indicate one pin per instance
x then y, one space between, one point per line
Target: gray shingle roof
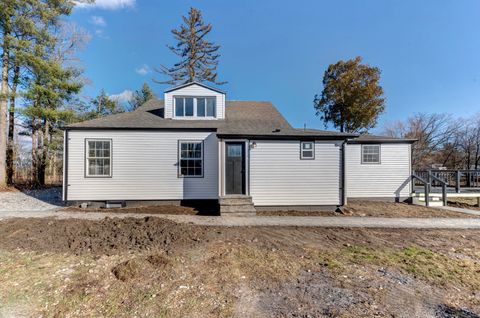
367 138
243 118
194 83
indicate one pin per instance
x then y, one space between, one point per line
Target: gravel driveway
31 200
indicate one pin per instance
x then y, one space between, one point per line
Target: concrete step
237 205
247 208
432 195
431 199
235 200
432 203
240 214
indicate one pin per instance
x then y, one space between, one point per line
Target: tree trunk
42 165
11 126
34 153
3 99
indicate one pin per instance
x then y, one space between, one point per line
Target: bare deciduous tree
432 131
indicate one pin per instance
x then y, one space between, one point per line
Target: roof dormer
194 100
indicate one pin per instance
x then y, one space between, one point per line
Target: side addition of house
196 145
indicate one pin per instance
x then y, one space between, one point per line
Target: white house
196 145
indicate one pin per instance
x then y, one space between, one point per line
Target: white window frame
180 142
302 156
379 161
88 158
195 106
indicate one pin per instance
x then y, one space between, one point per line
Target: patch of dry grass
220 278
420 262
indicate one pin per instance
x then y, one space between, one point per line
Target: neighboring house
195 145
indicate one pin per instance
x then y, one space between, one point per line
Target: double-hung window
307 150
195 107
190 158
370 154
98 158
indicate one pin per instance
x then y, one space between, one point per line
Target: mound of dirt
137 267
130 269
98 237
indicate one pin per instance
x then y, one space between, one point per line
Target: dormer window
195 107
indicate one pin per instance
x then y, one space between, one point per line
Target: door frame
222 166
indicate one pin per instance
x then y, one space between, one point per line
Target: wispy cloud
122 97
143 70
98 21
107 4
101 34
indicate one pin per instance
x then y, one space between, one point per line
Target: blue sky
428 51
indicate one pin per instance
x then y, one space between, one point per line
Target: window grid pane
191 161
371 153
98 158
195 106
307 150
201 107
211 107
188 106
179 107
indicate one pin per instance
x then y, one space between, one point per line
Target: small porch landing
237 205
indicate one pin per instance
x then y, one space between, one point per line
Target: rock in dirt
346 210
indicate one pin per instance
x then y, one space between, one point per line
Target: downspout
65 165
343 187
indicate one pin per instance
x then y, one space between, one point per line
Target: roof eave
141 128
282 137
382 141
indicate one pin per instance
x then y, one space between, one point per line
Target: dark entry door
235 168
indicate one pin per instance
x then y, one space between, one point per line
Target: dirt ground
354 208
154 267
390 209
465 203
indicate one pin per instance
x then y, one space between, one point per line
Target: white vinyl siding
388 179
195 91
279 177
145 167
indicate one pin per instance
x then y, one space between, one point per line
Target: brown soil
102 237
8 189
376 209
157 209
155 267
354 208
464 203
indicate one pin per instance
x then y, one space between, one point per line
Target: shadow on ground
50 195
444 311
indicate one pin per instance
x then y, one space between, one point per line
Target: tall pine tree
141 96
198 56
